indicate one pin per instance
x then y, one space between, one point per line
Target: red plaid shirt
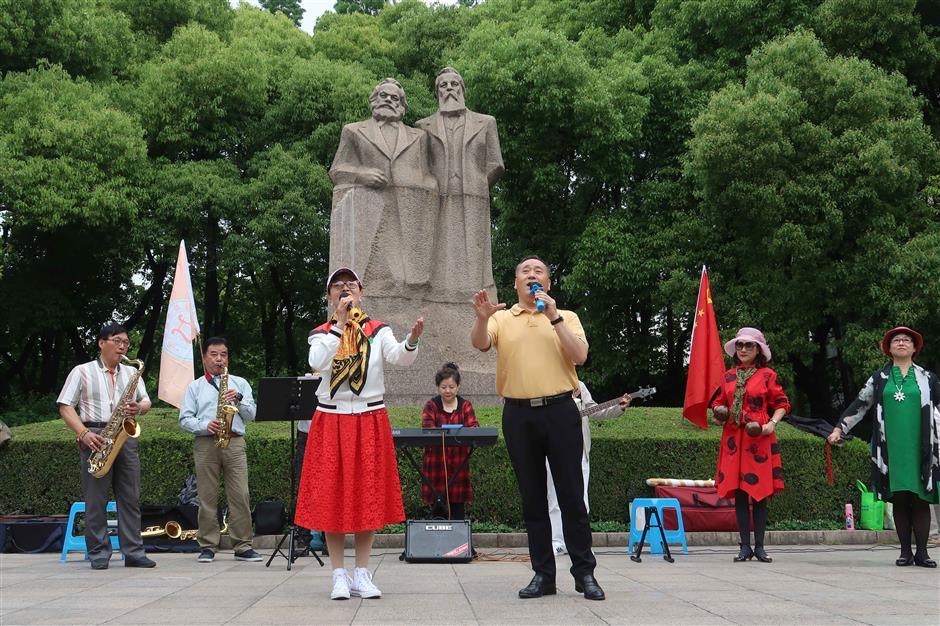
434 417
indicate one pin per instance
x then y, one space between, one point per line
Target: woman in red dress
445 409
350 478
750 402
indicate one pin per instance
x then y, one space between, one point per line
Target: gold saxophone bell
173 530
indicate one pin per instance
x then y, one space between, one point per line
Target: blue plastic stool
673 537
75 543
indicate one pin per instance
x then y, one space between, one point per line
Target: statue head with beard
450 91
388 101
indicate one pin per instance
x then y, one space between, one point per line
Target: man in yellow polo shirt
536 354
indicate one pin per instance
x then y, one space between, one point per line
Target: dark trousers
303 533
124 481
552 432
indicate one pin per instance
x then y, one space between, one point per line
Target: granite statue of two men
411 206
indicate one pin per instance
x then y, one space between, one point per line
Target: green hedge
40 466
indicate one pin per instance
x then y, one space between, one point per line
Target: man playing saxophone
216 395
94 394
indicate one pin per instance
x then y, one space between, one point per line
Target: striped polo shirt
88 388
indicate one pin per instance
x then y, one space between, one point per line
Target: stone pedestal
446 338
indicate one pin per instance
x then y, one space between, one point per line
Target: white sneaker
340 585
559 550
362 584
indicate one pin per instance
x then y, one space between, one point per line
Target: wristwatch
557 320
239 396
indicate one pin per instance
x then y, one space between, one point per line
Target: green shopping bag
873 511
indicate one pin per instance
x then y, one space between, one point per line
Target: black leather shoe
925 562
539 586
761 555
744 554
589 587
904 561
141 562
99 564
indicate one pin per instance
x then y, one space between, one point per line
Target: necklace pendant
899 395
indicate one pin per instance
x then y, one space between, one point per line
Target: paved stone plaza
804 585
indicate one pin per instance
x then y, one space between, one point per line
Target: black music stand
279 400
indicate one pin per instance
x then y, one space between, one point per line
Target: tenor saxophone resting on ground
174 530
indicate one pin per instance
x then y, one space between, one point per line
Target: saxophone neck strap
211 380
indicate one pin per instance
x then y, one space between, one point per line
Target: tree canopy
792 147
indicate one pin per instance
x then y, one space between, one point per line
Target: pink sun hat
749 334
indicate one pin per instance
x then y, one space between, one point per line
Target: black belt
537 402
94 424
324 405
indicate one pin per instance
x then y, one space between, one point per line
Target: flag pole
698 298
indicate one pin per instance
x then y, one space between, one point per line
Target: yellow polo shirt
530 362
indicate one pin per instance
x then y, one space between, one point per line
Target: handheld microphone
539 303
343 294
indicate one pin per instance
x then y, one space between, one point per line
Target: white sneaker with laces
560 550
340 585
362 584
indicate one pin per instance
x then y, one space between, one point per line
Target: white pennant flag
182 328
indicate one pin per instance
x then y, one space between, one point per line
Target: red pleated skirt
350 478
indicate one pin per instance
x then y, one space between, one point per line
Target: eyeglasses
348 284
745 345
901 340
120 342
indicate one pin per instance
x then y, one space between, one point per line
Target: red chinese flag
706 363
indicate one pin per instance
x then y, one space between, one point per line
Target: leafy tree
291 8
155 20
566 131
786 145
901 36
83 36
355 37
426 38
366 7
70 163
810 177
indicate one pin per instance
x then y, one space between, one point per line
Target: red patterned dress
434 468
751 464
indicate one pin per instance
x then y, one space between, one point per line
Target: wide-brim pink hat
902 330
749 334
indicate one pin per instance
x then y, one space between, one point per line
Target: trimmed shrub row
40 467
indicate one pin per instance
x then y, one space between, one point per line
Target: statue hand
373 177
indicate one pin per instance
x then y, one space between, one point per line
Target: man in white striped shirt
95 389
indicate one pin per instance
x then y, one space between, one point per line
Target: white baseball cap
342 270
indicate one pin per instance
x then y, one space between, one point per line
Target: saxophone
224 414
118 428
174 530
